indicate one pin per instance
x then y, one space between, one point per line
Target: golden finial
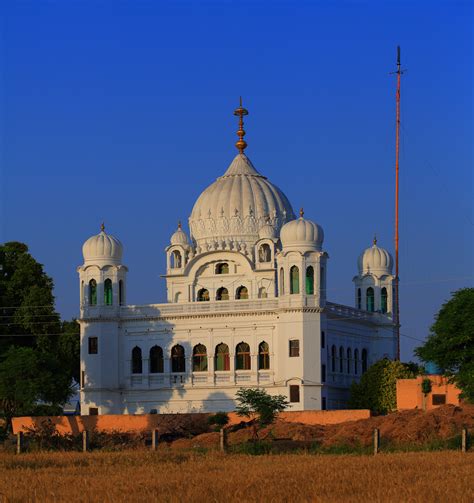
179 225
301 212
241 144
102 227
375 239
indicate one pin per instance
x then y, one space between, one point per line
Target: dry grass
180 477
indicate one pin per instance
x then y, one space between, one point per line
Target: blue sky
122 112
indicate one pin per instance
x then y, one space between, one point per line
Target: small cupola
302 235
102 249
375 260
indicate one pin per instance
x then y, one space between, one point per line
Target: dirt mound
413 427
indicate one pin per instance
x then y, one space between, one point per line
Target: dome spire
375 240
241 144
102 227
301 212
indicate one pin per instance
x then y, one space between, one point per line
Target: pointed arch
176 260
92 292
282 281
242 356
349 361
200 358
137 367
356 361
309 280
263 356
242 293
222 293
120 292
370 299
156 360
384 300
364 361
294 280
333 358
108 297
341 359
222 357
359 298
264 253
203 295
178 361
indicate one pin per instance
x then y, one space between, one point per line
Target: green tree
450 344
377 389
259 406
39 354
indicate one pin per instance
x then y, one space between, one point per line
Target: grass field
180 477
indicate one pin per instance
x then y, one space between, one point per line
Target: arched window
282 281
108 292
176 261
349 361
156 360
242 293
364 361
356 361
136 360
294 280
203 295
120 292
370 299
309 280
333 358
93 292
178 362
341 359
222 268
200 358
242 356
384 300
222 293
262 293
263 356
222 357
177 296
264 253
359 298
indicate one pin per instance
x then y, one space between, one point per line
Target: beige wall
410 395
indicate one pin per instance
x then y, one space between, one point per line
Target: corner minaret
374 285
102 291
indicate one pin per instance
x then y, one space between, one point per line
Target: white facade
250 278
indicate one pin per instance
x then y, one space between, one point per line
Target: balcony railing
197 379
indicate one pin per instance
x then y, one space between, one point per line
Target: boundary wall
410 394
75 425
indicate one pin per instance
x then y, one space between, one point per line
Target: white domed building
246 307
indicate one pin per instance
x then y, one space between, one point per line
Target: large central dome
231 211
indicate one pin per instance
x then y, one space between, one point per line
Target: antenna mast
397 151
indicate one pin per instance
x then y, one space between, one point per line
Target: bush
377 389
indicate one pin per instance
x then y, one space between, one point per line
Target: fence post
223 440
154 439
19 442
376 441
85 441
464 440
